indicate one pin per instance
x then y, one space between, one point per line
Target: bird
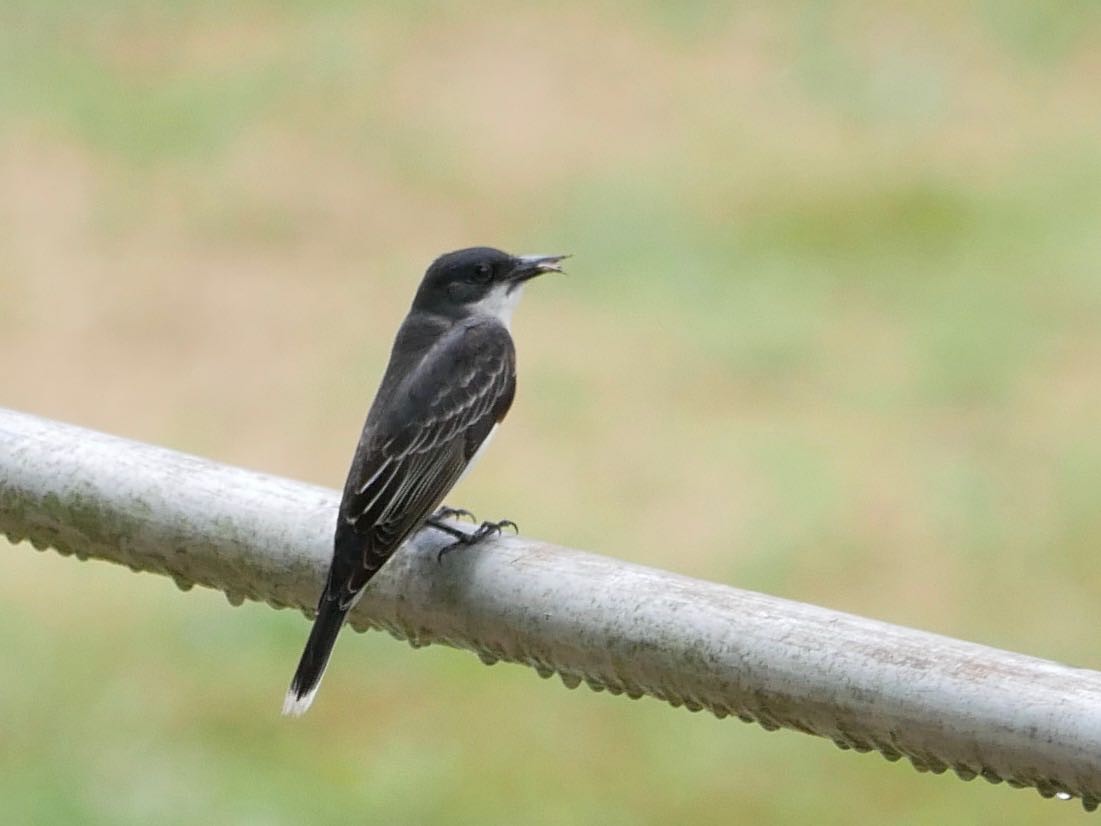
449 383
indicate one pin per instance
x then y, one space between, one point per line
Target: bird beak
529 266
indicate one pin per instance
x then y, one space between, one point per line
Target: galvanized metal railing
866 685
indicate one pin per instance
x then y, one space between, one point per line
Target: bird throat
500 303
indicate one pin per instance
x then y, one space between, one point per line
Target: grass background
840 262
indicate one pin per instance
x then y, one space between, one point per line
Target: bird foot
454 513
485 530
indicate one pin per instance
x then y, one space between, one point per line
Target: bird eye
482 273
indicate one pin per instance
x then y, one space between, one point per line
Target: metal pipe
866 685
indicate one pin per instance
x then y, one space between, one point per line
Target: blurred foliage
830 332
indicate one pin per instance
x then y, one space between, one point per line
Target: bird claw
485 530
454 513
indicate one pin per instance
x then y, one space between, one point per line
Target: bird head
480 280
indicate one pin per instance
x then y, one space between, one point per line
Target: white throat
500 303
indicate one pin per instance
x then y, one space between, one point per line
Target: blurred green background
833 313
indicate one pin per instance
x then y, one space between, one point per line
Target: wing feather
414 453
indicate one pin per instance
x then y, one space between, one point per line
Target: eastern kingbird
449 383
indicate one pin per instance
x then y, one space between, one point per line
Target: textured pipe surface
866 685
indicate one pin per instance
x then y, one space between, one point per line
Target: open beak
529 266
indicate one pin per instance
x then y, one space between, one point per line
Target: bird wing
411 457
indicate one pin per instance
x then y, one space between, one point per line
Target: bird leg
486 529
450 530
436 521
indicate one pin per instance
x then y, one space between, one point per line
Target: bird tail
307 678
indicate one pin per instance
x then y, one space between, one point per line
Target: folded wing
411 458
